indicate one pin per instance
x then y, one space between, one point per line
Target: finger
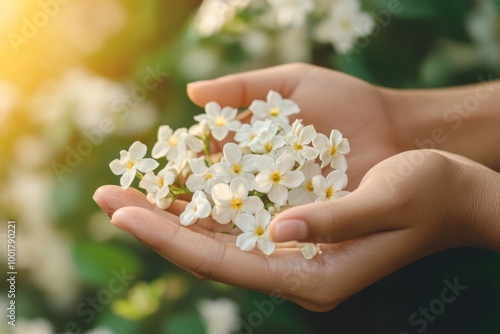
238 90
208 258
366 210
111 198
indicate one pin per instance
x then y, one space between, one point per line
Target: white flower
220 316
203 177
254 232
329 188
275 108
170 144
275 177
157 186
344 25
267 141
220 121
333 150
290 12
199 207
132 161
299 143
248 134
235 164
304 193
232 200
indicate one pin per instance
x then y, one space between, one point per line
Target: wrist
462 120
479 207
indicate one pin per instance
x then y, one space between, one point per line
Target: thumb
239 90
362 212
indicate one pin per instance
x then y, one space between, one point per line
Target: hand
328 100
408 206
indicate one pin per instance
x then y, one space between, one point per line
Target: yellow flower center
333 150
130 164
173 141
309 187
160 182
208 176
220 121
274 112
237 169
237 203
329 193
298 146
276 177
259 231
269 148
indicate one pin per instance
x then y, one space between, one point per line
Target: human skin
414 203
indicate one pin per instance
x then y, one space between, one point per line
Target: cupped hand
328 100
408 206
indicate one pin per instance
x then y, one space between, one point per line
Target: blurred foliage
68 252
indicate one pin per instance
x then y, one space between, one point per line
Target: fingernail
103 205
118 221
287 230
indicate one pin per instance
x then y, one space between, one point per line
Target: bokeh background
82 79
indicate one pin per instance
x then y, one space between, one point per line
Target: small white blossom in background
33 326
220 316
271 166
296 25
345 24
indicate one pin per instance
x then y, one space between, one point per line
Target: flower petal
263 182
278 194
222 214
239 187
188 217
252 204
266 246
137 150
246 241
309 153
232 153
221 194
219 132
146 165
245 222
117 167
127 178
292 179
212 109
229 113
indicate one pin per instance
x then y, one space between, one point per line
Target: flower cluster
271 165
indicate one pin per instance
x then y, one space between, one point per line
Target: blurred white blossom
290 12
345 24
33 326
88 24
220 316
482 25
8 99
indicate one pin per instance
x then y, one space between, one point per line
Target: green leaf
98 263
184 323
